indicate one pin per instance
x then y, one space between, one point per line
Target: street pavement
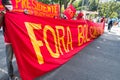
100 60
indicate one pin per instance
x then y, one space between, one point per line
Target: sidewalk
100 60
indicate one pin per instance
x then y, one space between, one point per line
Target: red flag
70 11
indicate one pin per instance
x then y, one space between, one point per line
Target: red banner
36 8
43 44
1 6
70 11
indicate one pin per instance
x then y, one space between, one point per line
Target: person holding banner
7 4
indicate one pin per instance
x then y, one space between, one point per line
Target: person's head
7 4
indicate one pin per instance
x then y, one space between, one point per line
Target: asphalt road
100 60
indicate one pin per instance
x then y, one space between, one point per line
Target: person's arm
1 18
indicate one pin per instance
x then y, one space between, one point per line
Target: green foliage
93 5
109 9
45 1
65 3
77 4
114 15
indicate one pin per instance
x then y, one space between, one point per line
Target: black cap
6 2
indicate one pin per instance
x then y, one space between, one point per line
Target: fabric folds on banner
43 44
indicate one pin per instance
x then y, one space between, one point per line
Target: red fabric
6 38
103 19
1 6
33 7
70 11
80 16
56 40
